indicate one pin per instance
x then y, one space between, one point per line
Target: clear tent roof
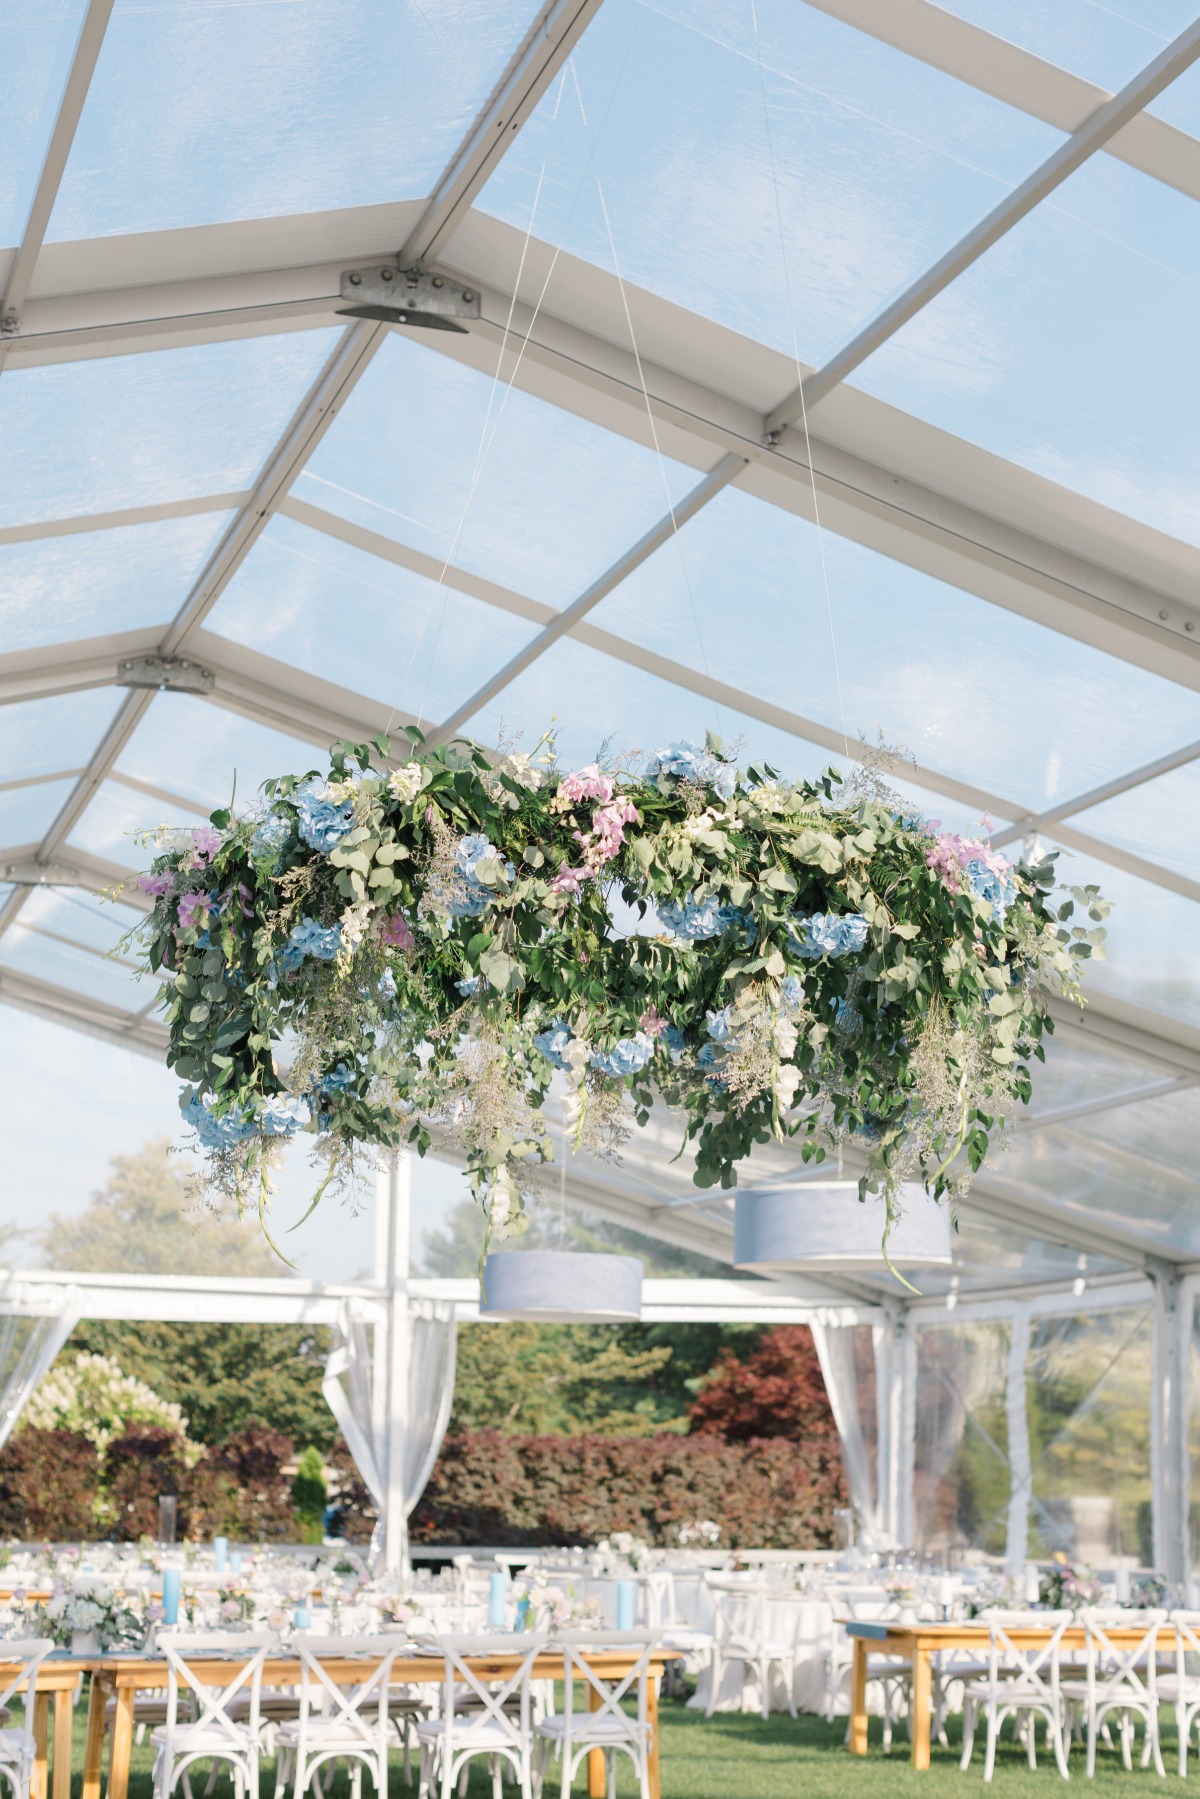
976 537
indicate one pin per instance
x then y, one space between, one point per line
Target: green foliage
144 1221
415 932
309 1495
563 1379
226 1377
489 1488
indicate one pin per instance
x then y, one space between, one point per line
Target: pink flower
652 1022
206 841
393 929
569 880
586 784
193 910
159 885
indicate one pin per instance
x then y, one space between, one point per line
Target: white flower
404 784
787 1079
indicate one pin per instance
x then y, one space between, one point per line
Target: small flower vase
86 1642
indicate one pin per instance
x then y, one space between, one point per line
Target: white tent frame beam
1021 80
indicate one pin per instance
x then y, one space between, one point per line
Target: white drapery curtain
854 1401
29 1343
354 1396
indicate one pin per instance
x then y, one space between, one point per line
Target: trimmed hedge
491 1488
48 1485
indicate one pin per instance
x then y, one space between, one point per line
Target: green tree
453 1249
554 1379
309 1494
143 1221
225 1377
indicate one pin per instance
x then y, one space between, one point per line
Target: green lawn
733 1756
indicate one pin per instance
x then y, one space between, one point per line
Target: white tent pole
904 1432
395 1522
1020 1471
1168 1434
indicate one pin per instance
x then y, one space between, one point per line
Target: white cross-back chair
607 1725
17 1747
754 1635
1120 1678
663 1617
1022 1681
207 1674
1182 1688
338 1721
481 1715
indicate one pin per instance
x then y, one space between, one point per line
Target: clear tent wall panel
654 152
254 110
90 437
92 584
961 1477
337 611
469 470
1068 347
1087 1384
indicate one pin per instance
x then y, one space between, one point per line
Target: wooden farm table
919 1643
57 1678
122 1677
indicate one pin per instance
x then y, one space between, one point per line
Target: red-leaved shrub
48 1483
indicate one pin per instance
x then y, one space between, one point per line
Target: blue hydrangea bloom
308 938
697 920
216 1132
828 934
271 836
553 1044
628 1056
672 1038
791 994
471 984
996 890
720 1025
387 985
337 1080
323 822
283 1115
688 762
473 850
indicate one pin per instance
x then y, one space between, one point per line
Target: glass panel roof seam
55 774
1090 137
1023 80
1036 1121
1095 796
94 1017
82 524
1138 866
83 67
87 949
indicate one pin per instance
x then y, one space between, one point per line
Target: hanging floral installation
386 954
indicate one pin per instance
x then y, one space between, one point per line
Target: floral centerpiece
390 952
543 1605
90 1616
1068 1586
620 1550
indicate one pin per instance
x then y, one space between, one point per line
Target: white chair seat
320 1736
192 1739
1170 1689
602 1731
469 1727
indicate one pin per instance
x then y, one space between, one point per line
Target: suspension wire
787 282
662 465
486 441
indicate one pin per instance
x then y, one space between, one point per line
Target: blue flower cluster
627 1056
216 1132
687 762
720 1024
323 822
473 850
336 1081
697 920
791 994
997 890
283 1115
828 934
553 1044
469 985
271 837
308 938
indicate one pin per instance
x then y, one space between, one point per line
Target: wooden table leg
41 1743
63 1720
858 1698
595 1761
122 1744
93 1750
922 1694
652 1719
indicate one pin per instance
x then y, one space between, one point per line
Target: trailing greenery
386 954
